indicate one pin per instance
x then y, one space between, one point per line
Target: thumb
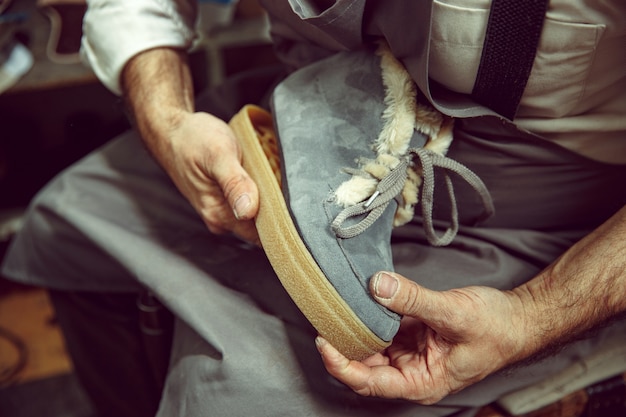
405 297
238 187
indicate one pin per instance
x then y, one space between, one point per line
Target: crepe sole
296 268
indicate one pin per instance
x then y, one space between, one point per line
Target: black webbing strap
509 50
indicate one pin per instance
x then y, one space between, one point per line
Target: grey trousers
114 224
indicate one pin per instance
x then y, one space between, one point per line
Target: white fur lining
402 115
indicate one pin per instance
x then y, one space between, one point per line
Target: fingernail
242 204
385 285
320 342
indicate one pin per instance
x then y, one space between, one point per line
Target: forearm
158 89
583 289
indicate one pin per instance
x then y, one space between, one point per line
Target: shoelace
392 184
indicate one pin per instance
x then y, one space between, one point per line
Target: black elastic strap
509 50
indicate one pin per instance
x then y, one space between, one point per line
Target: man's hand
205 165
204 161
197 150
451 339
447 341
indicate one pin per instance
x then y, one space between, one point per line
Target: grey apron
115 223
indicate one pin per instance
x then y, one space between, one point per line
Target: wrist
531 321
581 290
157 82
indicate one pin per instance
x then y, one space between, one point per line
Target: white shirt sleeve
114 31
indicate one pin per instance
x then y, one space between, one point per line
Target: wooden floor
31 344
36 375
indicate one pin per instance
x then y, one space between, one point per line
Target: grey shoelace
391 186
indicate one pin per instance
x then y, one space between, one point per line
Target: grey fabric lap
114 222
246 351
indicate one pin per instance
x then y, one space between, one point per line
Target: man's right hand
205 165
198 151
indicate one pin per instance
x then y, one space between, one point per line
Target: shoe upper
327 118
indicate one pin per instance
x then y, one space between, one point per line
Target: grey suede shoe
354 146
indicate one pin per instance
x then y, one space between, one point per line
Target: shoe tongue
418 140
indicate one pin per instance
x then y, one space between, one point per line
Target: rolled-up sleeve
116 30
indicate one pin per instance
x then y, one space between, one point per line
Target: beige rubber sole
297 270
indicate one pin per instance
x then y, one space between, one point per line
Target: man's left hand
447 341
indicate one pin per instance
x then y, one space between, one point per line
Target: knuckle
232 185
411 299
215 221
